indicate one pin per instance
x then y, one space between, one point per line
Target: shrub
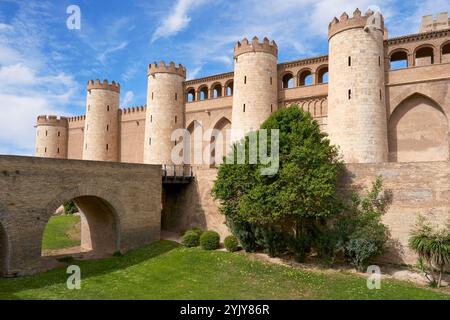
231 243
433 247
210 240
244 232
191 239
359 251
70 208
117 254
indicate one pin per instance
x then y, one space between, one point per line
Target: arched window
288 81
424 56
305 78
399 60
217 91
229 88
445 52
203 93
190 95
322 75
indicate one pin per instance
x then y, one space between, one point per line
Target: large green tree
301 192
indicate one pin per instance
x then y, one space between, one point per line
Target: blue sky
44 66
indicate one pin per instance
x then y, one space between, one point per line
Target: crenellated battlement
52 121
345 22
163 68
245 46
105 85
77 118
132 110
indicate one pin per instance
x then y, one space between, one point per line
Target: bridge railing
177 173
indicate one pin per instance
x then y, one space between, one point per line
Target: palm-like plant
432 246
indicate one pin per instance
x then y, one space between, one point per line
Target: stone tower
165 111
255 85
51 137
101 129
356 94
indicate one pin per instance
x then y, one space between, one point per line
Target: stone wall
418 188
127 197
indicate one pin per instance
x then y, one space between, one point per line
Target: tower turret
51 137
101 129
165 111
356 94
255 85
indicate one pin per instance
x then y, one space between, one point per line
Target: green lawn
61 232
166 270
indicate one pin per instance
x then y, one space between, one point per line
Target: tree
301 193
433 247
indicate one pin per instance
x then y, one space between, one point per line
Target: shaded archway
216 91
195 144
305 78
220 140
287 81
424 56
322 74
418 131
98 228
445 53
229 88
190 95
203 93
398 59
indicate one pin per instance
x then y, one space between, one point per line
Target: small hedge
210 240
191 238
231 243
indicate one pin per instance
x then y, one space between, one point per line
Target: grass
61 232
166 270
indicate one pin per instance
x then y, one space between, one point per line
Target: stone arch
424 55
101 217
445 52
322 74
190 94
398 59
305 77
418 131
203 92
216 90
222 127
229 87
287 80
195 143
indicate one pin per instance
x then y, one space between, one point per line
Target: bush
432 244
210 240
191 238
359 251
231 243
70 208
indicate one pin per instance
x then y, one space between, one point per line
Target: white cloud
177 20
193 73
102 57
129 96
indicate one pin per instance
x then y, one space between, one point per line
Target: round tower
51 137
255 85
101 129
356 88
165 111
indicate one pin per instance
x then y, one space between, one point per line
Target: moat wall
418 188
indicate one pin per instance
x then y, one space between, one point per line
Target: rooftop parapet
161 67
430 24
97 84
52 121
245 46
357 21
135 109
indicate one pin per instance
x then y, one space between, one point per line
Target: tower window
45 149
107 127
59 134
107 108
149 141
89 107
46 133
245 79
175 142
58 150
349 61
349 94
244 107
379 61
176 96
271 108
381 96
152 95
271 81
107 147
176 118
151 118
85 147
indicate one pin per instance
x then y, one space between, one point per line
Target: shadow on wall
3 250
181 208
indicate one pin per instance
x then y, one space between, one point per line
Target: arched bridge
120 205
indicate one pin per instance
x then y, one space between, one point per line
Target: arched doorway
94 234
195 143
220 140
418 131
